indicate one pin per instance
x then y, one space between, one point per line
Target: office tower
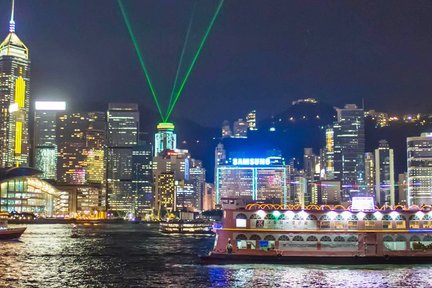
14 99
300 191
370 173
330 192
197 176
419 156
240 128
209 198
142 182
226 129
123 127
402 189
262 179
384 174
349 146
251 120
185 195
165 138
309 159
169 166
44 139
81 144
329 154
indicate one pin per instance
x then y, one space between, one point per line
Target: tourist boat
358 234
186 227
7 233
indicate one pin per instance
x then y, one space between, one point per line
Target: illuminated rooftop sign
50 105
251 161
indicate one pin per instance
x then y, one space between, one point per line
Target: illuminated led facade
44 137
262 179
384 174
14 99
329 153
197 176
123 128
166 197
419 172
165 138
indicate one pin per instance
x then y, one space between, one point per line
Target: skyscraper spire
12 22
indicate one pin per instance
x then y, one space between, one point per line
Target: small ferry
186 227
7 233
359 234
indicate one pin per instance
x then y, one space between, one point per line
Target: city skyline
307 58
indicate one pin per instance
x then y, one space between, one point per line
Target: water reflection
123 255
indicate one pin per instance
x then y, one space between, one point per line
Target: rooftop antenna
12 22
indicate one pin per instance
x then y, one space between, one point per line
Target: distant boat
186 227
7 233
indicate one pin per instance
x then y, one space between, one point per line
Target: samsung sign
251 161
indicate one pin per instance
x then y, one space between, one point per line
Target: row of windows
298 238
325 217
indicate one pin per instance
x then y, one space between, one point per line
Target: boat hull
11 233
222 259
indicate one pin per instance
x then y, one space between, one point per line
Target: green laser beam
141 60
181 58
194 59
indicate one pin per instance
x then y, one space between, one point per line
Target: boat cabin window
352 224
324 224
339 224
400 225
427 224
369 224
387 224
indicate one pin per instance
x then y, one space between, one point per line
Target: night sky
260 54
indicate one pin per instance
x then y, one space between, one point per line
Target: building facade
419 173
45 137
384 174
14 100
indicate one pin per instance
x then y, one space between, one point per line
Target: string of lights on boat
298 207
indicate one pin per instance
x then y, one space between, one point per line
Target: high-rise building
262 179
169 166
369 162
185 195
384 174
349 149
209 198
419 150
81 140
226 129
251 120
142 182
123 128
330 192
165 138
240 128
14 99
197 176
329 154
45 140
402 189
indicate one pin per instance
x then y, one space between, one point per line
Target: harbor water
138 255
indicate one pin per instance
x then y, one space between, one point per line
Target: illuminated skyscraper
142 182
349 149
370 173
419 169
226 129
14 99
251 120
262 179
45 145
384 174
240 128
197 176
123 127
165 138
